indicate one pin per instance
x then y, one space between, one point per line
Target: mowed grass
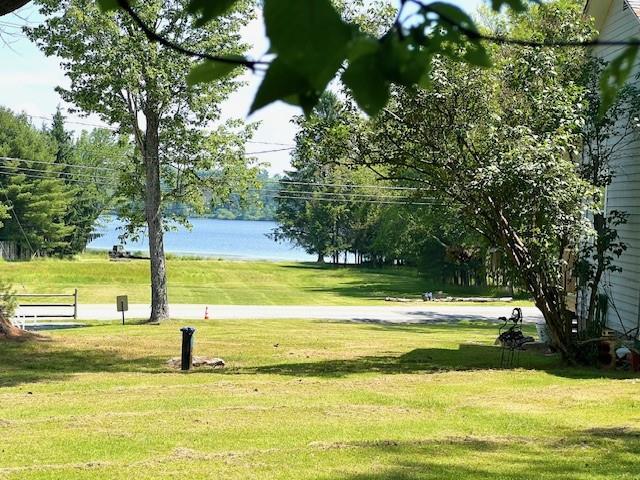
308 400
218 282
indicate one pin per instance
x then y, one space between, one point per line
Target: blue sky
28 80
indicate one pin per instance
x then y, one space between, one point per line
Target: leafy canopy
312 43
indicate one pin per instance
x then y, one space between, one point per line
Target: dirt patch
198 362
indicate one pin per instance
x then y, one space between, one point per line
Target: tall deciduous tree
140 86
315 224
502 144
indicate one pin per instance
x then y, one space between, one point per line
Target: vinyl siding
624 192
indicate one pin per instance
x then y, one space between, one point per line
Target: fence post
75 304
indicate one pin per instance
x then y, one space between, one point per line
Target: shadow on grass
54 360
579 454
467 357
46 360
377 283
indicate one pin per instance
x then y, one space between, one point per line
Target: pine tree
83 165
30 188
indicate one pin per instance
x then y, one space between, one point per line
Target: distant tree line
258 203
343 212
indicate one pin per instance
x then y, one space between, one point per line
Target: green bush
8 302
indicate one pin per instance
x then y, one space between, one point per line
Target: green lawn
330 401
218 282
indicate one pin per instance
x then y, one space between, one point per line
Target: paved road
414 313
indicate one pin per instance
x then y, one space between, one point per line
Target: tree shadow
46 360
466 357
383 282
578 454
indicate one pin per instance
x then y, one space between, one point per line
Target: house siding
623 194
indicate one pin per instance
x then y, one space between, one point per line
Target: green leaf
209 71
615 76
362 45
367 83
453 15
402 61
281 82
209 9
309 36
515 5
476 54
108 5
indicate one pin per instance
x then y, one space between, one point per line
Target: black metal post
187 347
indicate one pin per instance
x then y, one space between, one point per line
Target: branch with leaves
313 44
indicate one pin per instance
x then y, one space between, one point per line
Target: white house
620 20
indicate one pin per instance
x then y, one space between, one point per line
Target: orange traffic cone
206 313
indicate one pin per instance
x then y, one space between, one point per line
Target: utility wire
305 197
302 197
338 185
89 179
115 129
65 175
298 194
376 202
271 143
44 177
91 167
331 194
75 122
282 182
270 151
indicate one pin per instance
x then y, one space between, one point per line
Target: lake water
238 239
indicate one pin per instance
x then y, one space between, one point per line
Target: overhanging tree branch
154 36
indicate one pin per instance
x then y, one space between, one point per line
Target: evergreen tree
62 138
30 188
85 166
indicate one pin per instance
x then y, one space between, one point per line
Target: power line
307 194
10 24
302 197
382 202
66 175
330 194
270 151
91 167
90 180
44 177
115 129
265 182
338 185
271 143
75 122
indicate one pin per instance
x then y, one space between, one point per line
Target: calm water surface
209 237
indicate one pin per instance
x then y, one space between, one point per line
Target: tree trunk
320 258
153 214
8 329
599 223
547 297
